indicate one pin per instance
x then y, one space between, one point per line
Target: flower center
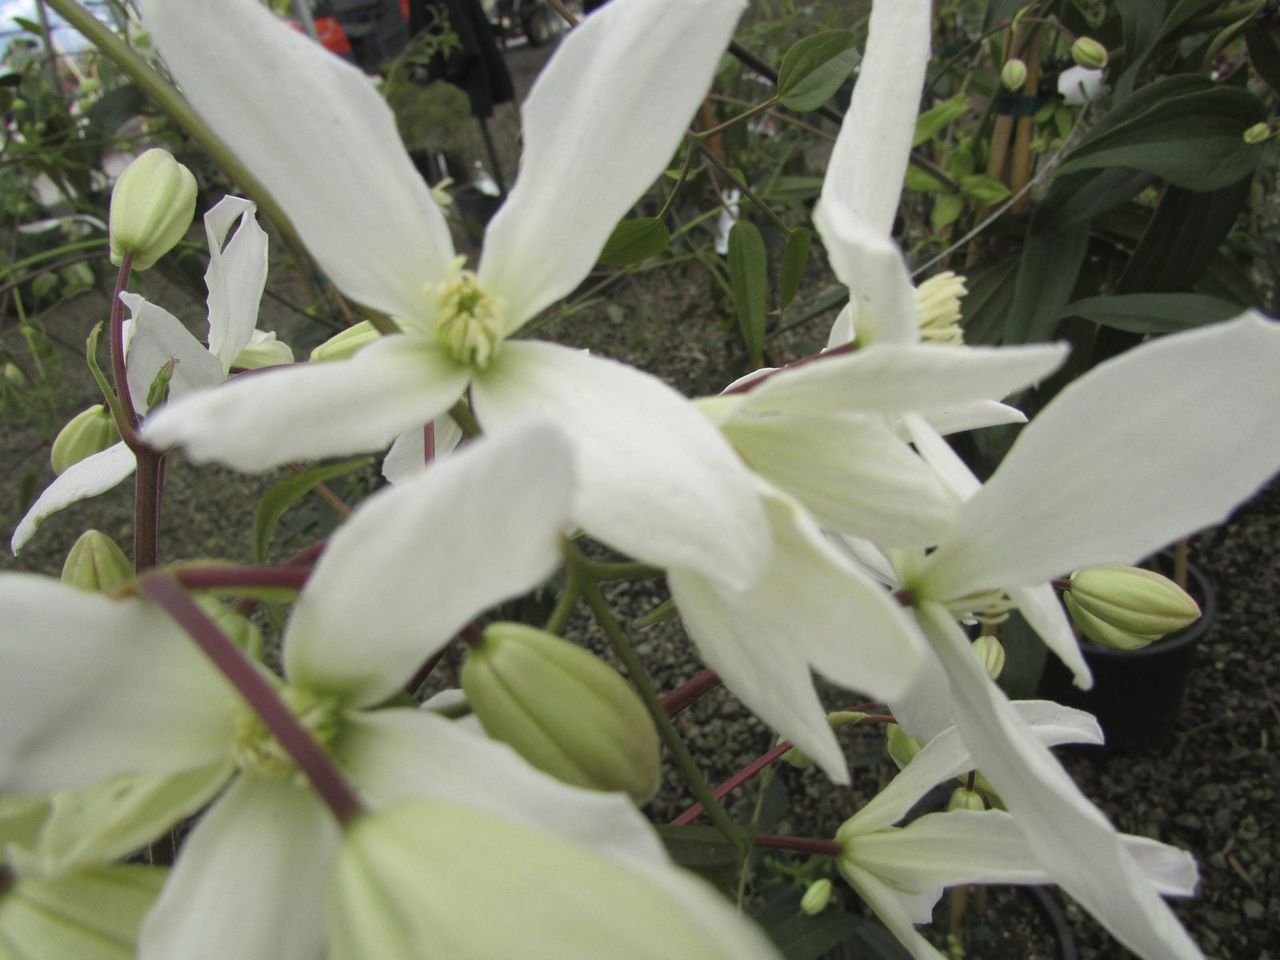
468 320
938 308
258 750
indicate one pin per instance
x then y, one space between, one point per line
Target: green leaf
635 240
29 25
1263 40
748 266
934 120
704 850
946 210
283 495
1152 312
794 259
1047 273
920 181
1192 136
814 68
983 188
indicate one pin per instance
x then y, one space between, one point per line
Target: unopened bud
347 343
1013 75
964 799
843 718
152 205
816 898
990 653
797 758
88 432
1088 52
563 709
96 563
1127 607
901 745
1258 133
13 373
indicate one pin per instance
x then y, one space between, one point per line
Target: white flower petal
852 472
94 687
882 300
897 379
157 337
250 880
321 139
236 277
945 756
1040 607
656 478
810 607
399 754
953 471
416 562
892 907
407 457
1151 446
869 162
600 125
89 477
1082 852
429 873
975 416
262 350
305 411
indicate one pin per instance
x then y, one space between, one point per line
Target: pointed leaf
1152 312
635 240
283 495
795 257
748 275
814 68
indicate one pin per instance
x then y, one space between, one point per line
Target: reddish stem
309 756
825 848
217 578
118 371
690 692
737 780
794 365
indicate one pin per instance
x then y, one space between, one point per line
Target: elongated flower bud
96 563
1088 52
88 432
816 898
152 205
1127 607
990 653
563 709
1013 75
346 343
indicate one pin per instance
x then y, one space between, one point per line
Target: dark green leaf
1047 275
748 265
1263 40
794 259
1192 137
1079 199
1227 280
987 303
813 69
704 850
29 25
635 240
277 500
1181 237
1152 312
802 937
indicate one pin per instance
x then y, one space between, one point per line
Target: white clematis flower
235 279
1142 450
901 871
95 687
599 125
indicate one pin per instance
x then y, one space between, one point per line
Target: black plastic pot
1136 694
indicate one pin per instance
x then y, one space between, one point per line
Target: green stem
465 419
166 97
569 598
621 644
684 175
740 184
747 114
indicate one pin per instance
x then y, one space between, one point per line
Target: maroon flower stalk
737 780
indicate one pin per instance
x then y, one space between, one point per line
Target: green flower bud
843 718
1088 52
797 758
990 653
1258 133
563 709
13 373
96 563
152 205
347 343
88 432
962 799
1127 607
816 898
901 745
1013 75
